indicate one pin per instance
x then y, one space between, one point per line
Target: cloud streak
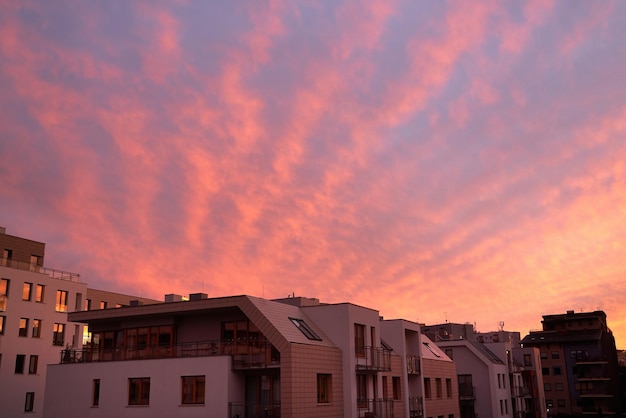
418 158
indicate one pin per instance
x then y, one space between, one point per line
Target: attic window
431 349
305 329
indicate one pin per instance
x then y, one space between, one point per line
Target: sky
437 161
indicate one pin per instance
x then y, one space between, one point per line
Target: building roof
549 337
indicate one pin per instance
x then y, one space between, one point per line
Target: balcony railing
55 274
373 359
416 407
259 356
257 410
413 364
379 408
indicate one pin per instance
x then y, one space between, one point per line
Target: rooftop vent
198 296
135 303
173 298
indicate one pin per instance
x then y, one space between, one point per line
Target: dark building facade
579 364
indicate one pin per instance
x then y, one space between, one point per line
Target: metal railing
259 356
373 358
255 410
55 274
413 364
379 408
416 406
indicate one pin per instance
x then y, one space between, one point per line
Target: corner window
139 391
305 329
324 388
192 389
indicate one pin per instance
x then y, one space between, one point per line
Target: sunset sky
432 160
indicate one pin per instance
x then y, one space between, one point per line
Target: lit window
305 329
27 291
192 389
39 292
2 322
19 363
324 388
23 332
58 334
95 392
139 391
4 287
32 365
103 305
29 402
61 302
395 381
36 328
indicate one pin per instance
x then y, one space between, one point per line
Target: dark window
27 291
557 370
95 393
555 355
29 402
438 387
192 389
32 365
359 340
139 391
545 371
547 387
544 355
19 363
427 393
449 388
324 388
395 380
527 360
305 329
449 352
361 390
558 386
560 403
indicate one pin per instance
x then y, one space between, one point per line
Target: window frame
58 330
29 402
95 393
27 292
20 361
40 292
194 383
396 388
37 324
61 300
305 329
324 387
33 363
142 397
23 328
359 340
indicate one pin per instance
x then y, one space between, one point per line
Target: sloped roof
430 350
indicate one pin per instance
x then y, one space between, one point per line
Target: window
504 381
95 392
449 388
547 387
36 328
87 304
39 292
361 390
432 350
29 402
560 403
549 403
23 332
2 322
19 363
139 391
466 387
555 355
438 387
27 291
395 381
545 371
449 352
499 382
506 406
359 340
61 302
501 407
385 388
544 355
32 364
558 386
58 334
305 329
4 292
192 389
78 304
527 360
103 304
557 370
427 388
324 388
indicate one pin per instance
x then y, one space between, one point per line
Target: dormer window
305 329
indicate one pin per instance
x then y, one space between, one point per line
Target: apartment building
34 301
243 356
579 364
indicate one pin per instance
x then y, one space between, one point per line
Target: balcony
416 407
257 410
55 274
373 359
261 356
379 408
413 364
466 392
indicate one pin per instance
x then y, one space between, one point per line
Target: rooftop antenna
446 316
501 326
